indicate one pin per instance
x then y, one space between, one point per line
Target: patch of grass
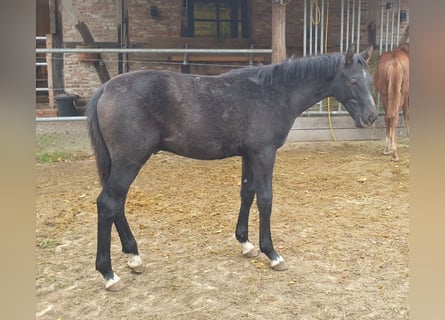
48 244
59 156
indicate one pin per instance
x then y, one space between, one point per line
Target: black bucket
66 105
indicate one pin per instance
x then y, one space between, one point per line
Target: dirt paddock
340 219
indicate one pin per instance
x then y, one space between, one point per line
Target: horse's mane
307 68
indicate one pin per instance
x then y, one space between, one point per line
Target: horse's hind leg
129 245
110 208
247 195
405 109
394 124
387 149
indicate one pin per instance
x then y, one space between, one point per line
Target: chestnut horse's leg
262 168
110 208
387 149
405 108
394 124
247 194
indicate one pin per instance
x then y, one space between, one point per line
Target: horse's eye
353 81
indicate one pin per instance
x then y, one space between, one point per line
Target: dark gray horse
246 112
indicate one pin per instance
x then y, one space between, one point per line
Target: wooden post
278 31
49 65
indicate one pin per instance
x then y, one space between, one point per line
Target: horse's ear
367 53
350 54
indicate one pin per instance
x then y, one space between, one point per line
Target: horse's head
352 87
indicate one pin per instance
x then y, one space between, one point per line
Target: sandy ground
340 219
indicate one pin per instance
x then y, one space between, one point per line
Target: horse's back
390 63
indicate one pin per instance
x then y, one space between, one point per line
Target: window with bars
215 18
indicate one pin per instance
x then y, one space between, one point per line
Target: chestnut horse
391 80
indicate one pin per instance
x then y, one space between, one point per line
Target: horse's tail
103 160
395 80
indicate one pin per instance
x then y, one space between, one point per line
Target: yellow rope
318 15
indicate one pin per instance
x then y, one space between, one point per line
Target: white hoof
249 250
135 263
114 284
278 264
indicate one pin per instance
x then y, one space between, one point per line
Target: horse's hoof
395 159
252 253
115 284
281 266
137 269
135 263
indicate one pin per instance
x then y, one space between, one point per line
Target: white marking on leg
276 261
110 282
247 246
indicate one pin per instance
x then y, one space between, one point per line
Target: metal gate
393 20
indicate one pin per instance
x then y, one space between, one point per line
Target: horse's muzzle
364 123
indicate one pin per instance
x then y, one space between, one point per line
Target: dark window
215 18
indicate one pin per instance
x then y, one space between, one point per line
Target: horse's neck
306 94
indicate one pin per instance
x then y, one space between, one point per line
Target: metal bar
392 24
41 89
305 28
353 21
387 28
311 10
316 31
147 50
381 27
53 119
41 64
41 38
347 26
342 27
359 15
322 35
398 24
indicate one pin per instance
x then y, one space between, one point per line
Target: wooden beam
88 39
49 65
278 31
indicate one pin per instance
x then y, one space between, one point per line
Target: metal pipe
353 22
387 29
305 28
342 19
392 24
310 28
381 28
359 14
398 24
151 50
53 119
347 26
322 35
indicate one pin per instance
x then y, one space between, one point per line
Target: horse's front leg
262 167
247 195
